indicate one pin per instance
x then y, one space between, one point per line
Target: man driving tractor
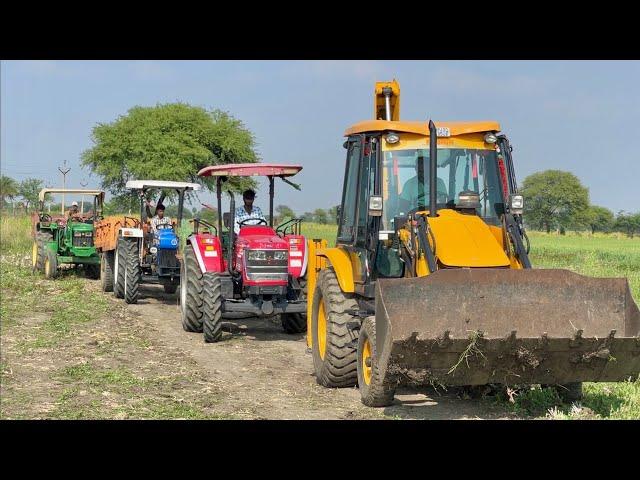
247 211
73 213
415 191
158 218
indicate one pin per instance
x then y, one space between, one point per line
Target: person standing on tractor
247 211
416 190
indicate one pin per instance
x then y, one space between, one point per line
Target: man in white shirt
247 211
159 218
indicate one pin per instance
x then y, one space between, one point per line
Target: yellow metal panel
422 128
466 241
316 263
413 140
341 263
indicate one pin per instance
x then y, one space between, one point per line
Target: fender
208 250
341 263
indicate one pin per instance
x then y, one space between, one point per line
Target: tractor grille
84 241
268 269
167 259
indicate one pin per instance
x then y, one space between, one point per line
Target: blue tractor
147 254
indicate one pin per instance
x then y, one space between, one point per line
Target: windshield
405 181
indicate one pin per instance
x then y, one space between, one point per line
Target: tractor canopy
146 184
250 170
95 193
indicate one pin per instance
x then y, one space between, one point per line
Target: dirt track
265 373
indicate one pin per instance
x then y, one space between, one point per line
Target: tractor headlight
77 234
392 138
256 255
280 255
490 138
153 250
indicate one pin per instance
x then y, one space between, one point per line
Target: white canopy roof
77 191
140 184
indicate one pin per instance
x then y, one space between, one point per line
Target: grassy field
69 305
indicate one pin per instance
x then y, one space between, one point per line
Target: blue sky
580 116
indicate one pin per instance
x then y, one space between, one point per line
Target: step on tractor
430 282
133 252
62 239
259 272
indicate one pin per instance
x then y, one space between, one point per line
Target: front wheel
118 272
191 284
212 309
294 322
132 273
106 271
170 288
373 392
50 265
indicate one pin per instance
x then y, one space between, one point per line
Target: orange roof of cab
456 128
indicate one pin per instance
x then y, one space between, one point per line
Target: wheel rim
366 359
34 254
115 266
322 330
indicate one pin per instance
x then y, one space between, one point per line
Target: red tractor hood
256 237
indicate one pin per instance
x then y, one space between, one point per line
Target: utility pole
49 203
64 182
84 183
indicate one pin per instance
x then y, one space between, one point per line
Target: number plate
443 132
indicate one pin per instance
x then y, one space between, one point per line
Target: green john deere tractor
63 239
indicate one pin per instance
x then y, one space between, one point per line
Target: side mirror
338 213
226 219
375 206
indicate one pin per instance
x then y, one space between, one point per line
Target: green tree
29 190
283 213
168 142
553 198
321 216
308 217
599 219
8 190
333 214
628 223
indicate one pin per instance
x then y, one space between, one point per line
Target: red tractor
260 271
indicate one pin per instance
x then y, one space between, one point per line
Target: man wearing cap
73 213
247 211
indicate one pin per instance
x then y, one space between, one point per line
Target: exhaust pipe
386 91
433 167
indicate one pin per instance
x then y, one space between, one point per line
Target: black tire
170 288
118 270
570 392
106 271
39 251
132 271
191 284
294 322
338 366
374 393
50 264
212 308
92 271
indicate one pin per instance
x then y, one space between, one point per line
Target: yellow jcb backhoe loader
430 281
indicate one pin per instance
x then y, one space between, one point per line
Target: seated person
247 211
73 214
412 193
158 218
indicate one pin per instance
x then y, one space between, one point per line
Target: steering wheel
45 217
262 221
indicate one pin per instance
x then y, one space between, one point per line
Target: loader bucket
478 326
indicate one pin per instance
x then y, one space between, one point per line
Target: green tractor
66 239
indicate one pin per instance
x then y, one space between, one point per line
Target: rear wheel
373 392
106 271
170 288
334 347
212 309
132 274
570 392
191 284
294 322
92 271
50 264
